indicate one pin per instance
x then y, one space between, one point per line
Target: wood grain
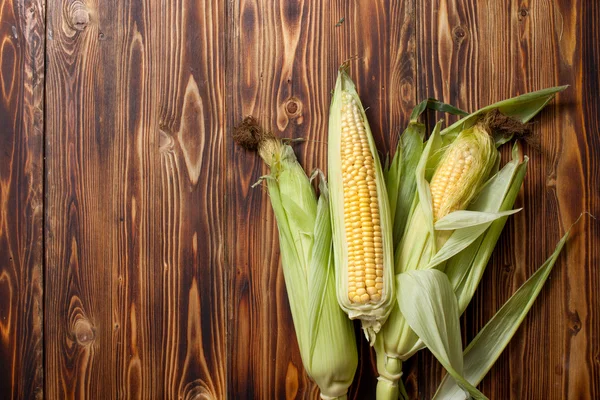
135 263
291 52
21 198
472 54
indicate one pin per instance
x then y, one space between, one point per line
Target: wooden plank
282 64
135 275
190 111
472 54
21 198
565 335
80 220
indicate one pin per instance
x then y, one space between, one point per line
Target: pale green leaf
434 104
468 226
467 218
495 189
469 281
293 271
423 191
400 179
521 108
320 262
427 301
437 105
486 347
299 201
458 241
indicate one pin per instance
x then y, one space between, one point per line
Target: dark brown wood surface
22 36
137 261
135 273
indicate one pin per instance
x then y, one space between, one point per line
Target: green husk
486 347
400 175
428 303
520 108
419 245
471 243
325 335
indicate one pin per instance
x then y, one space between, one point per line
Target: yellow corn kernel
361 223
463 168
360 193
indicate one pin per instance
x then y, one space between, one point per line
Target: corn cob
458 176
462 170
360 212
325 335
361 209
451 176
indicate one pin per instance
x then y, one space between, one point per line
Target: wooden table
137 262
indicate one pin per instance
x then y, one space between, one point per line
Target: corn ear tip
250 133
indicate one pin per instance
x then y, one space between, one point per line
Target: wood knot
292 107
292 111
196 390
79 16
166 142
523 12
574 323
84 332
459 33
406 91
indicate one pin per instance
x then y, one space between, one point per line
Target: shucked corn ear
360 212
325 335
